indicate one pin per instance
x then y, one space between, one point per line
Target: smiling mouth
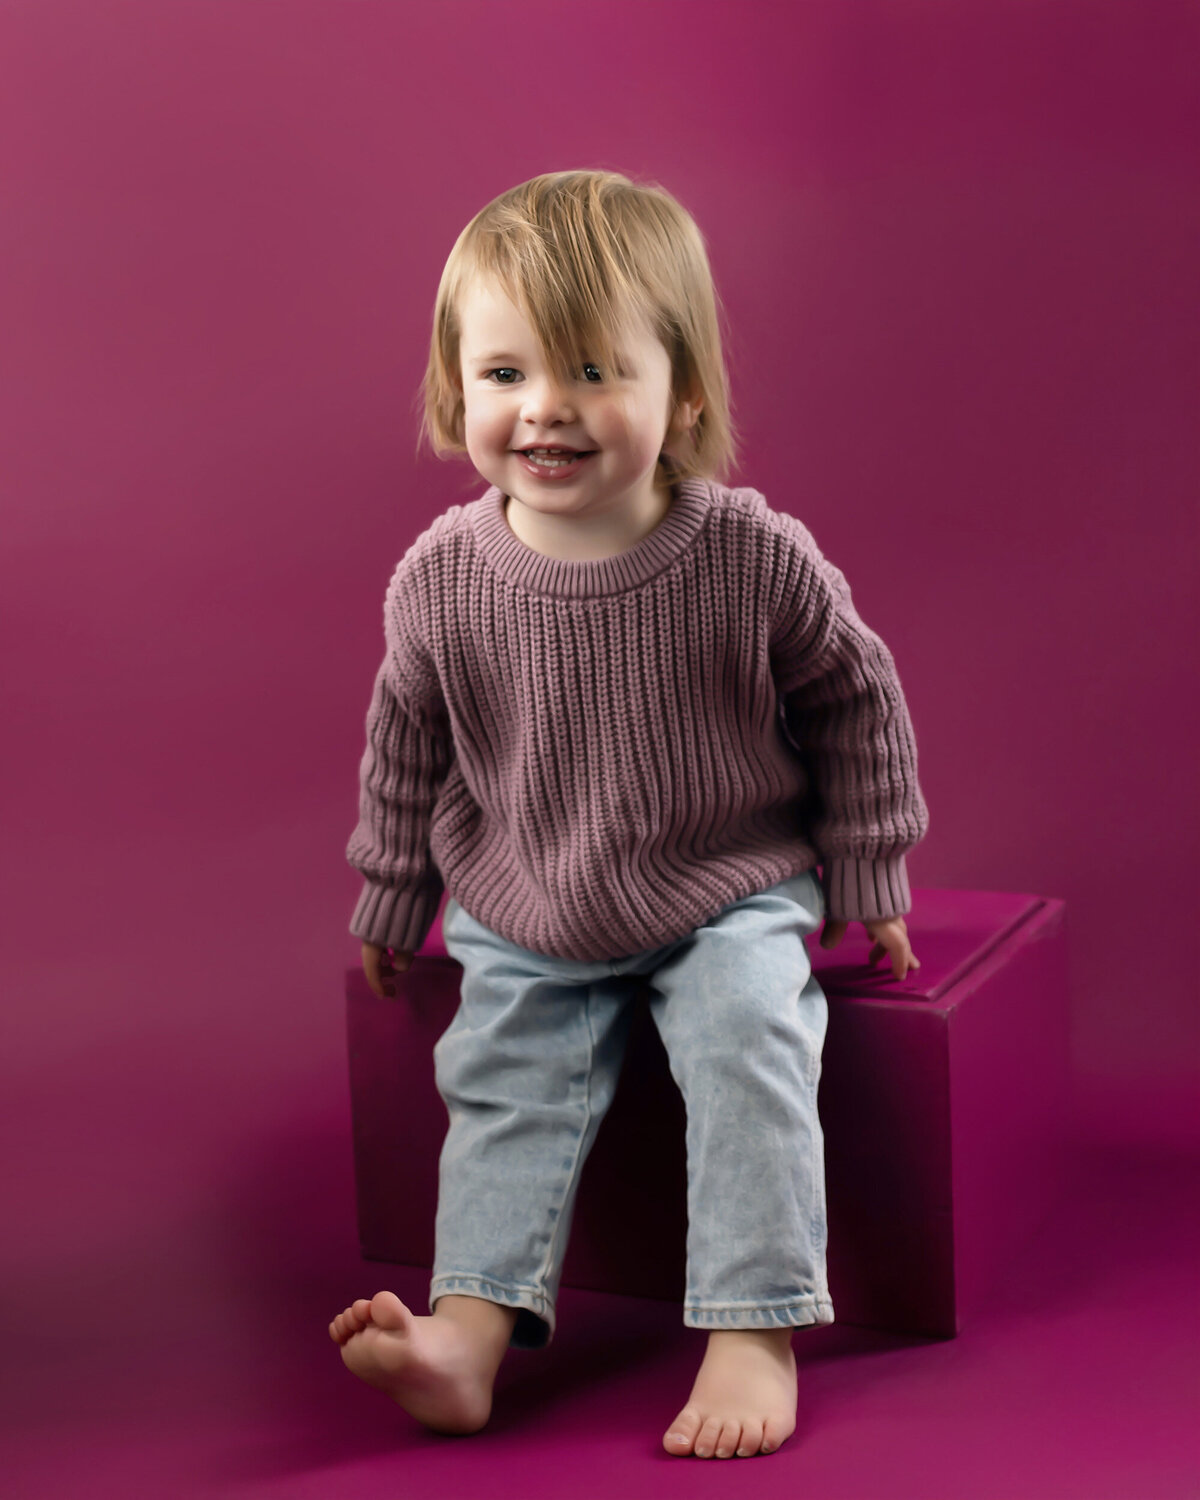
554 458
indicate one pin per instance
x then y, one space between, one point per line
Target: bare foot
440 1369
744 1398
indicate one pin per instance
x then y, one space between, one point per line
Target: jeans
528 1068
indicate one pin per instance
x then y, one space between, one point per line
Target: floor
1080 1382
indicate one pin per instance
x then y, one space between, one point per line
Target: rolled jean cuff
534 1327
804 1313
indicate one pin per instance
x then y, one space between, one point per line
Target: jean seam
811 1312
809 1299
549 1259
450 1279
817 1164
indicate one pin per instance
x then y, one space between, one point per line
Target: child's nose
546 401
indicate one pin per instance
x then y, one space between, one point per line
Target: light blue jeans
528 1068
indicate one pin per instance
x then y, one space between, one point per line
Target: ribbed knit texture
594 758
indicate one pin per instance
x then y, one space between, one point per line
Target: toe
680 1437
727 1443
774 1433
706 1440
361 1310
752 1436
386 1309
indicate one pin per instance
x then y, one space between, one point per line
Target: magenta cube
943 1099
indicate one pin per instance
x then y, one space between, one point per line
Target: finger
897 949
375 966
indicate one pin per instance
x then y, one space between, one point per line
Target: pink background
957 246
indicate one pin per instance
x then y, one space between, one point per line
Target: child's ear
687 412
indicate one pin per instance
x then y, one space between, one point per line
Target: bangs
565 288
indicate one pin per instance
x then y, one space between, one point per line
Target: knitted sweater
593 758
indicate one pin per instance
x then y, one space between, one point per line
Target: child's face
618 418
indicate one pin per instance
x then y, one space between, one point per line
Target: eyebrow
487 359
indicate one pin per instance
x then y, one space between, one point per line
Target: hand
891 936
383 964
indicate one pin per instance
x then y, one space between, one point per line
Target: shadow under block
943 1101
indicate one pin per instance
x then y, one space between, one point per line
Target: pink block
943 1100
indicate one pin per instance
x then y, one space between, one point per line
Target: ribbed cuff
866 890
395 916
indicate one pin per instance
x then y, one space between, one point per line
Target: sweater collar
690 501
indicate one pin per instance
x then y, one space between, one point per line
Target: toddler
624 714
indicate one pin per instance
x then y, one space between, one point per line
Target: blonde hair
577 253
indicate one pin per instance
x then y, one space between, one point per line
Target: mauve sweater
593 758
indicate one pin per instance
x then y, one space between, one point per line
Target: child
623 714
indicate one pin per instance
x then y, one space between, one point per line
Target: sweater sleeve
408 757
844 712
